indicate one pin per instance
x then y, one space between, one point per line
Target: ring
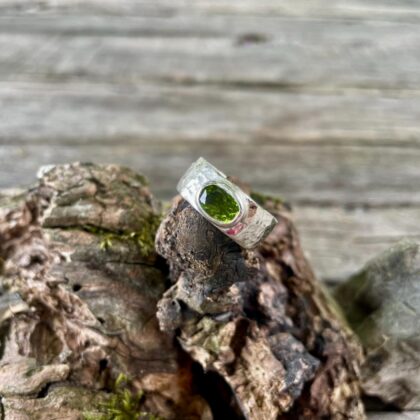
225 205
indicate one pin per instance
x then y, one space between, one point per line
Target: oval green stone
218 203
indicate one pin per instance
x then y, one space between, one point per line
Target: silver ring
225 205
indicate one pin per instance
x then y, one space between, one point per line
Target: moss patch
123 404
143 239
263 199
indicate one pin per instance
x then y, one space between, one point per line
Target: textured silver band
251 225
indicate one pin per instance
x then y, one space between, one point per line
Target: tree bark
259 319
259 338
78 248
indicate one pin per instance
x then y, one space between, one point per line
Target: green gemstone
218 203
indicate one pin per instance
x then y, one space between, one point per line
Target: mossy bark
243 334
84 313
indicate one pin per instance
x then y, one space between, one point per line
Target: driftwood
79 250
259 319
258 337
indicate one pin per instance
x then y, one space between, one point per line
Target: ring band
225 205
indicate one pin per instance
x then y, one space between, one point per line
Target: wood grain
78 112
275 52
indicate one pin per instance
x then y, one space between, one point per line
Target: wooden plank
77 112
351 9
200 48
318 175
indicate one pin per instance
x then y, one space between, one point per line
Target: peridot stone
218 203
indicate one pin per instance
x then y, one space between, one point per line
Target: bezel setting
229 190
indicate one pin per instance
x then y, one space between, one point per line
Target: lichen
122 404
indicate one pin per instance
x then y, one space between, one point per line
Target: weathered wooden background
318 102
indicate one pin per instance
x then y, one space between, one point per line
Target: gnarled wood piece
78 249
259 319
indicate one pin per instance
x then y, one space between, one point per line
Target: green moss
262 199
122 404
144 238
